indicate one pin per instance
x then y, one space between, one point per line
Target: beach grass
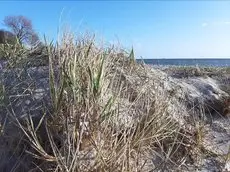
107 114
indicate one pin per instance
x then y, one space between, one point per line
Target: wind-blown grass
107 115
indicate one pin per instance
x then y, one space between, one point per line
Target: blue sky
156 29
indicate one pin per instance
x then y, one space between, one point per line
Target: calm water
188 62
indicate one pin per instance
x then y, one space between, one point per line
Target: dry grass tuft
108 114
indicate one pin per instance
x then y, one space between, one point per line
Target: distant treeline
20 29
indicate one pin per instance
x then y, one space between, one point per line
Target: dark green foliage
7 37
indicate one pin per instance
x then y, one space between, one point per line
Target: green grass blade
132 56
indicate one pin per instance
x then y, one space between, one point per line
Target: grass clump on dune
108 114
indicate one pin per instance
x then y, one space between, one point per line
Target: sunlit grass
108 114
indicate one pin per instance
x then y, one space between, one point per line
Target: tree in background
23 29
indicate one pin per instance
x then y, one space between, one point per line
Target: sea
217 62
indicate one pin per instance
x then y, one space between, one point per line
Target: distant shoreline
187 58
217 62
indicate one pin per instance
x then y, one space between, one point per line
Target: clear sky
156 29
